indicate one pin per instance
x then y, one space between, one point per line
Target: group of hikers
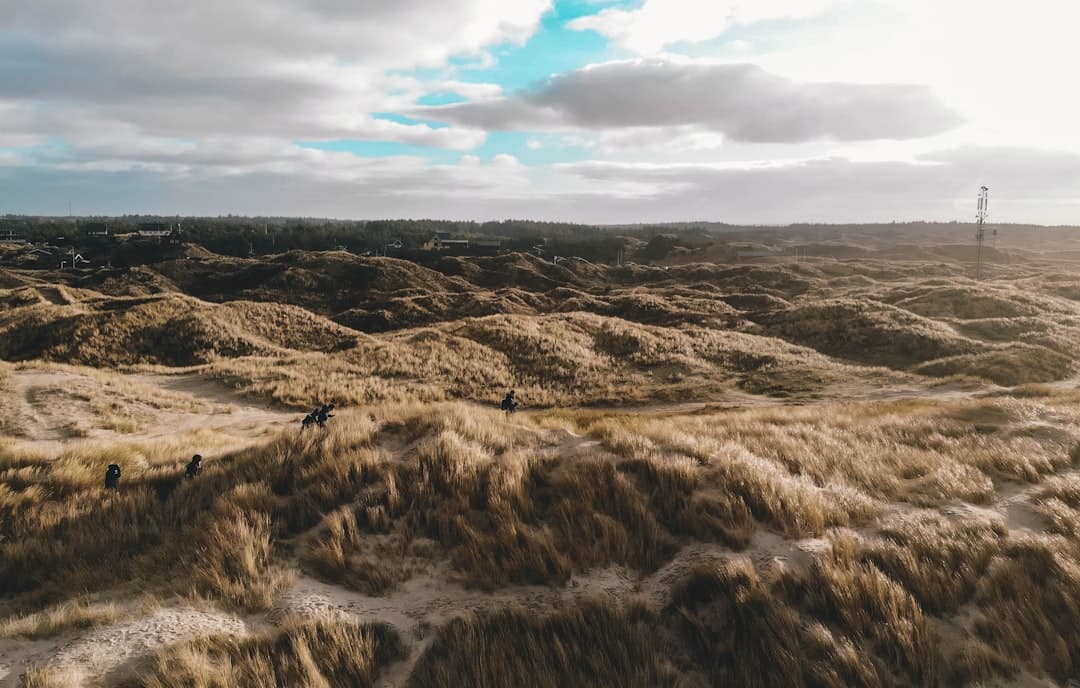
112 473
318 417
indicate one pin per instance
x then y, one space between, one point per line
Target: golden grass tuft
876 612
1029 601
502 507
592 645
743 629
72 614
232 559
938 560
736 628
301 652
60 522
50 677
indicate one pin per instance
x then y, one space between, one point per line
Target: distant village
82 244
95 241
88 248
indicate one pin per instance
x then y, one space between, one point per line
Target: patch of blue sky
573 9
53 147
553 49
547 148
409 121
441 98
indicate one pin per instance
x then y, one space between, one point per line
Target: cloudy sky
763 111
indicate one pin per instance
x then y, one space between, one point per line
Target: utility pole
980 231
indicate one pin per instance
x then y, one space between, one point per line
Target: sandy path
236 414
36 425
109 650
226 411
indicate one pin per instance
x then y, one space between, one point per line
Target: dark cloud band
742 101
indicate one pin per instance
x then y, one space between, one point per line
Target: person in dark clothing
112 477
323 414
509 402
319 416
193 467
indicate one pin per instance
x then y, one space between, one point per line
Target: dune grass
75 536
390 489
300 652
505 499
591 646
50 677
502 503
72 614
1029 601
921 452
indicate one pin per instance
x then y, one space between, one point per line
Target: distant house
10 234
154 229
442 242
95 229
73 261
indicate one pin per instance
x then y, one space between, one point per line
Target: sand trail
54 401
108 652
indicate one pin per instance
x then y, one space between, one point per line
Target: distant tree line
244 236
241 236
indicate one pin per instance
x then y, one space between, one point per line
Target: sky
596 111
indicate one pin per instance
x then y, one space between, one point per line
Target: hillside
825 473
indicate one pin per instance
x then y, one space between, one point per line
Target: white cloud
661 23
1026 186
197 107
127 78
999 65
505 160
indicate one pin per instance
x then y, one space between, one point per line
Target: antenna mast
980 230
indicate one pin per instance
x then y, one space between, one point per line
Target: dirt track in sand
189 403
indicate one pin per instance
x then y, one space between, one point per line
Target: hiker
509 403
193 467
324 414
112 477
319 416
